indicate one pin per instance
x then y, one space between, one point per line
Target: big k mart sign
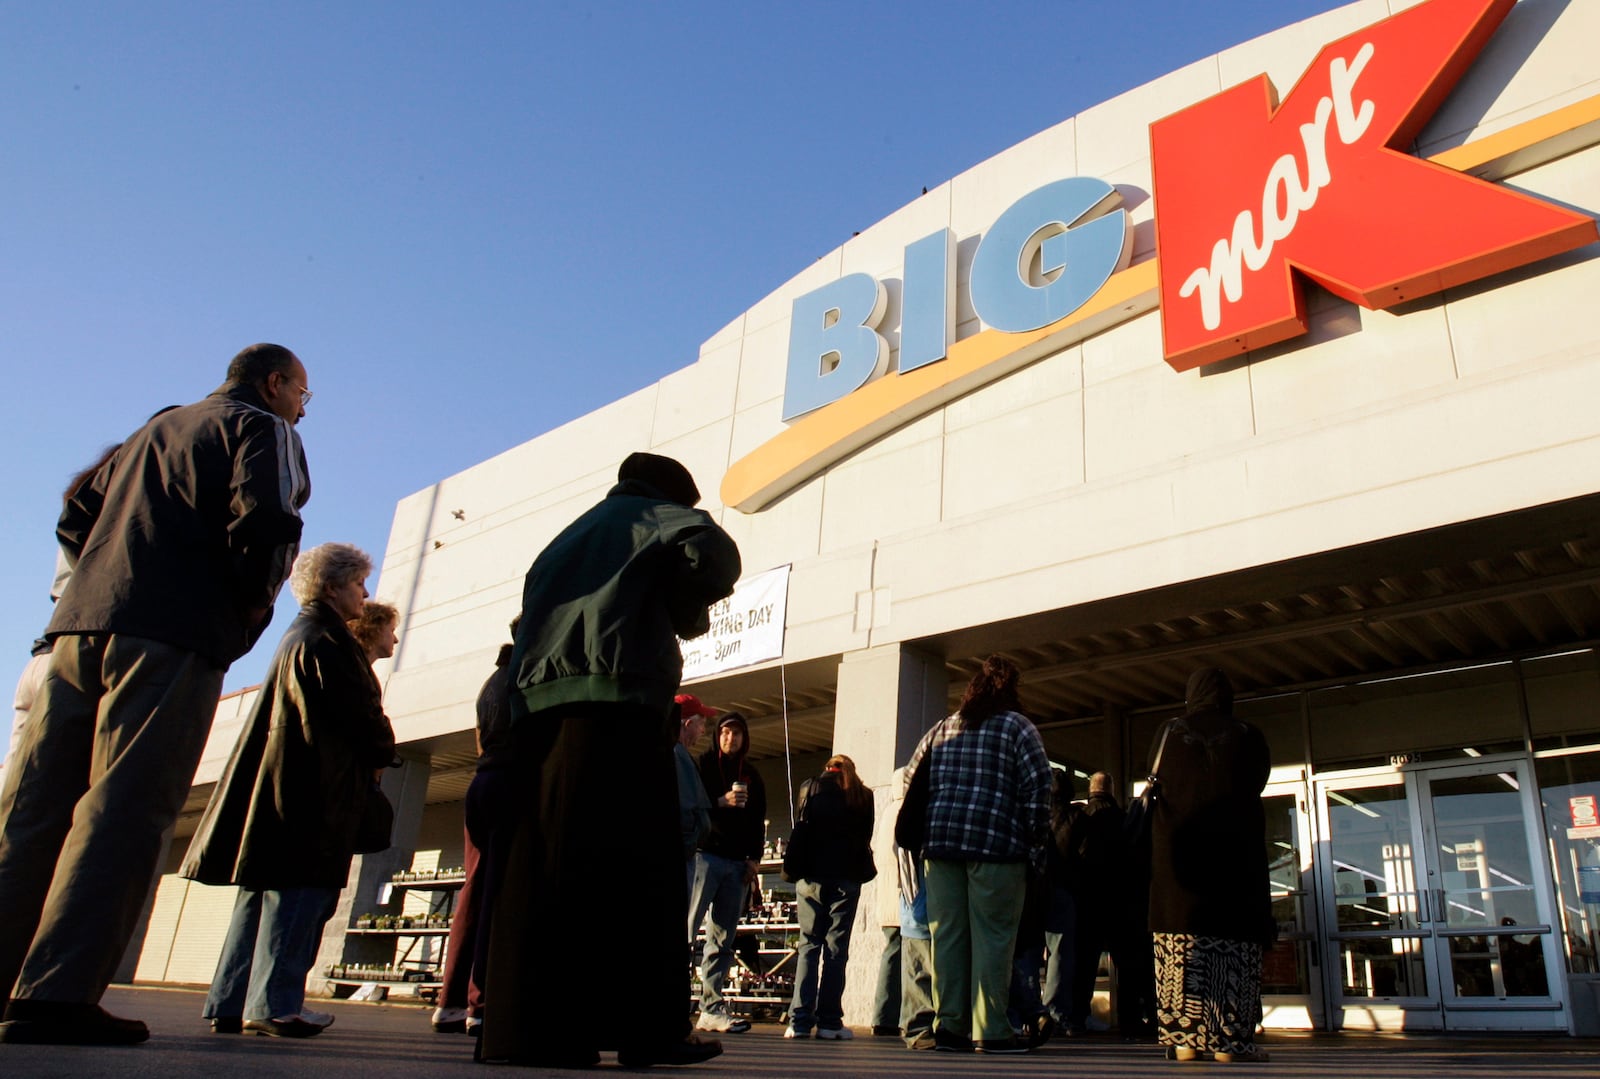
1253 197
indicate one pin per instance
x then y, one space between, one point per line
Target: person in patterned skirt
1210 905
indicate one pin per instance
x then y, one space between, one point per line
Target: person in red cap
694 808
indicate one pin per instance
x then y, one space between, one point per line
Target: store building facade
983 425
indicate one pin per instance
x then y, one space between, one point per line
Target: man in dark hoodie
594 669
179 543
727 861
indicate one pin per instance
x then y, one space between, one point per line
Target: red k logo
1251 195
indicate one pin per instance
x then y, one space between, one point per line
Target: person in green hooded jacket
594 670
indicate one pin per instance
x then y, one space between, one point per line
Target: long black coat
285 812
1209 833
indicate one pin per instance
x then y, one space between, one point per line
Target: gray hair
327 564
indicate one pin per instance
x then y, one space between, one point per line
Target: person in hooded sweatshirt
1210 901
592 901
726 864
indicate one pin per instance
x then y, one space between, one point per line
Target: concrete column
888 696
407 789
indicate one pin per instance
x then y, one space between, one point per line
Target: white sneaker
449 1020
474 1027
317 1019
722 1023
837 1034
791 1033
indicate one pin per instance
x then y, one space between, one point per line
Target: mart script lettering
1285 188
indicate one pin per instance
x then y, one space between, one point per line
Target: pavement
394 1041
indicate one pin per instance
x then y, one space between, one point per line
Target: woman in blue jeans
829 858
282 822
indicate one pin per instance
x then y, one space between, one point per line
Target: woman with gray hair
282 822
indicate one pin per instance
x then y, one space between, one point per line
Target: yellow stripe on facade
837 430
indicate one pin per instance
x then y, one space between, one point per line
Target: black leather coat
285 811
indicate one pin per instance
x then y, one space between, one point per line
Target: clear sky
473 221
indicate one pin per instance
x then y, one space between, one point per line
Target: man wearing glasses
180 542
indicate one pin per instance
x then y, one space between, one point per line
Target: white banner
746 628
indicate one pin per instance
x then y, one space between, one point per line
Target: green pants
973 912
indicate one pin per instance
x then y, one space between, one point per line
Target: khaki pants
973 912
104 765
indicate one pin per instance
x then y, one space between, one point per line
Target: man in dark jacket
180 543
594 886
726 863
1110 914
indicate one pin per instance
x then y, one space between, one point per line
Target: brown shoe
694 1049
292 1027
49 1022
1252 1055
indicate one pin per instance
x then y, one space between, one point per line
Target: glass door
1437 911
1379 968
1490 902
1291 988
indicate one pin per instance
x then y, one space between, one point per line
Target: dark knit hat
663 473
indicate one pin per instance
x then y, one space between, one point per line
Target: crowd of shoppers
1006 893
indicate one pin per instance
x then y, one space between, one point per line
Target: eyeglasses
305 395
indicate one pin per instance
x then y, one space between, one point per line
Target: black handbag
911 824
1136 820
375 832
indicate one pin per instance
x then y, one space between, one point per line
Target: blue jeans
827 914
719 887
271 944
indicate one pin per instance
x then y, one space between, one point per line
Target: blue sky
473 221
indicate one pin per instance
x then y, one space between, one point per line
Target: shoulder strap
1161 747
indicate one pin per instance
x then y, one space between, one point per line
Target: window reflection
1575 858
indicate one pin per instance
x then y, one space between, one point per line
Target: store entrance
1437 906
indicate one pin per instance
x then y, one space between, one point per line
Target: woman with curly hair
282 822
988 812
833 819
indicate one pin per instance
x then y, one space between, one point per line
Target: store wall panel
1047 434
202 928
1544 313
789 530
763 366
822 604
161 929
1051 377
1139 413
1541 58
697 395
227 721
728 335
893 486
1356 359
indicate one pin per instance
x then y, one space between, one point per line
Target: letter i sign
1251 194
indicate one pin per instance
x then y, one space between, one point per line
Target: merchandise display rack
419 973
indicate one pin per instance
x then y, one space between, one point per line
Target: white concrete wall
1097 471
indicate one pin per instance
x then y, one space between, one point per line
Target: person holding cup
726 862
